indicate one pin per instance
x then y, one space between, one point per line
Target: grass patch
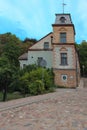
11 96
1 96
17 95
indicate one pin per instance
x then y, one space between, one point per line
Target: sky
34 18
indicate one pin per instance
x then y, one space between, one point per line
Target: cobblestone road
65 109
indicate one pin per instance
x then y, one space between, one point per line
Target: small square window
46 45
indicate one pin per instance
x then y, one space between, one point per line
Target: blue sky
33 18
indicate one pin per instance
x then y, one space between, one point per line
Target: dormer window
46 45
62 19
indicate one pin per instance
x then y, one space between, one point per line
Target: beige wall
40 44
47 56
70 50
71 78
69 30
72 69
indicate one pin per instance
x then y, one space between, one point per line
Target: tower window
46 45
62 37
63 58
62 19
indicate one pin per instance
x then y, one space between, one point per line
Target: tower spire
63 6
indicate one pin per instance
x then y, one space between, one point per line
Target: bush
37 81
37 87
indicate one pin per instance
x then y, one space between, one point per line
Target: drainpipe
76 69
51 39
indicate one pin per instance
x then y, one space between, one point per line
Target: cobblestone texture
65 109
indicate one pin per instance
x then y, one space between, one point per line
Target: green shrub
37 87
37 81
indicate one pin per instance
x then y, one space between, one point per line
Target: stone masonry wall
71 78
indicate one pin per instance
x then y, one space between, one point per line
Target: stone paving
65 109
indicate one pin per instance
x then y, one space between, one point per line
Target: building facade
58 51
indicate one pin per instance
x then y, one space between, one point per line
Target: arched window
62 19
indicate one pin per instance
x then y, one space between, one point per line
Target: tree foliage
32 80
9 38
11 48
82 48
12 52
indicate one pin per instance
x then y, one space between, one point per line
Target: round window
64 77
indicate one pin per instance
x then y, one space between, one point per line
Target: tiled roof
23 57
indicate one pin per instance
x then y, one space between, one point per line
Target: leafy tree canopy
9 38
82 48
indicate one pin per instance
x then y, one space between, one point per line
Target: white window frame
62 77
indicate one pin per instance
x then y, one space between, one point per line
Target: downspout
76 68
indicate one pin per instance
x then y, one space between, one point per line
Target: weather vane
63 6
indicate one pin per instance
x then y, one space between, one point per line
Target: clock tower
65 57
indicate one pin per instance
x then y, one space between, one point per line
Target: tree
9 38
5 79
27 43
83 57
7 72
30 40
12 52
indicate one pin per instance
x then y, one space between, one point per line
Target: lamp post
43 64
51 39
5 89
5 93
77 56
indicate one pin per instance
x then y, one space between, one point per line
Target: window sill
64 65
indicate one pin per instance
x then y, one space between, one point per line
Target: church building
57 50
